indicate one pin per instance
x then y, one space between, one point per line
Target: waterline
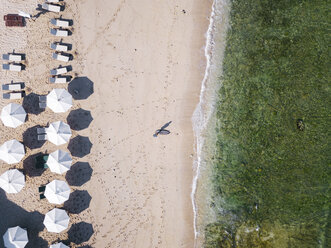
214 50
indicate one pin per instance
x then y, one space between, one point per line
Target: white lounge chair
12 67
58 80
59 47
12 95
60 23
59 71
13 57
41 130
13 86
59 32
53 1
42 137
60 57
51 7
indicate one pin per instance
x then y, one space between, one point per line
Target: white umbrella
13 115
58 133
12 151
57 192
59 161
15 237
12 181
58 245
59 100
56 220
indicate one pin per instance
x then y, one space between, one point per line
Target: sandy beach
139 66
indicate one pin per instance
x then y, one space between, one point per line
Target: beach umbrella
12 151
59 161
58 133
58 245
57 192
59 100
56 220
15 237
13 115
12 181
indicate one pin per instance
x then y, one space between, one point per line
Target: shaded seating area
41 161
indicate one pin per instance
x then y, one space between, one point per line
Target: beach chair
58 80
61 57
42 98
41 130
53 1
60 23
59 32
42 196
12 95
41 189
12 67
59 71
13 57
13 86
51 7
42 137
59 47
42 102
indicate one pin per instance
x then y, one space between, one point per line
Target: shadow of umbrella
17 216
30 138
80 88
80 146
79 174
78 201
31 104
29 166
80 232
79 119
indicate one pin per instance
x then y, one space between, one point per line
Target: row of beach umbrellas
12 181
17 237
13 151
14 115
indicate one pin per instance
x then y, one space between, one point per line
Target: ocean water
262 167
203 119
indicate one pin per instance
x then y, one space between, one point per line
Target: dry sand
145 62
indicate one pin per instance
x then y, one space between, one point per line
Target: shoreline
203 119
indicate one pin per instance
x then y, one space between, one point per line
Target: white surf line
200 118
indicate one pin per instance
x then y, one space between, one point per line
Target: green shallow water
271 166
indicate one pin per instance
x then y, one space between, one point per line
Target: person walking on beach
162 130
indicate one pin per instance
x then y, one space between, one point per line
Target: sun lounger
42 196
59 71
51 7
12 67
41 189
42 98
60 57
13 86
13 95
53 1
59 32
60 23
59 47
42 105
41 130
58 80
42 137
13 57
